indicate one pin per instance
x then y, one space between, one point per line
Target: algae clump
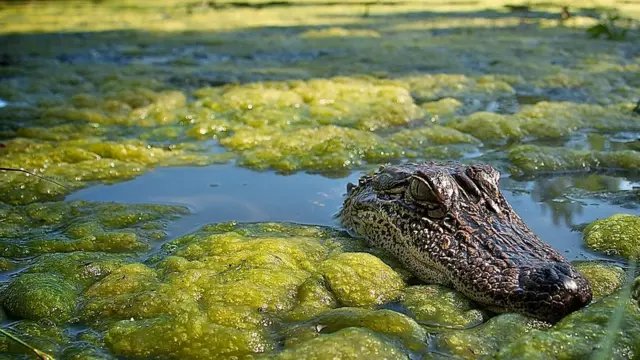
604 279
488 338
579 334
531 158
386 322
617 235
360 279
349 343
244 284
82 226
439 307
40 296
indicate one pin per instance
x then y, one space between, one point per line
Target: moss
604 279
487 339
40 296
616 235
359 279
577 335
531 158
386 322
436 306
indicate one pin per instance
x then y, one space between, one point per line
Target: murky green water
146 111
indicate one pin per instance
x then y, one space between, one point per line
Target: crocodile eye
421 191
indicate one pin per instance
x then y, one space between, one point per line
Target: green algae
322 149
531 158
313 298
547 120
76 97
616 235
77 163
487 339
348 343
82 226
439 307
579 334
44 336
386 322
436 87
40 296
360 279
604 279
237 282
183 336
80 268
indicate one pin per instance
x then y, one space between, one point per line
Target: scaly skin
450 224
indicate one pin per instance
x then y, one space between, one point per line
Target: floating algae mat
193 140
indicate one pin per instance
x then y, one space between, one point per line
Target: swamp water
206 147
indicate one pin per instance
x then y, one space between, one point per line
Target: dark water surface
229 193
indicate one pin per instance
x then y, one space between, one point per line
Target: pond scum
98 92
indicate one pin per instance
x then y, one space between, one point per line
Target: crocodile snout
553 290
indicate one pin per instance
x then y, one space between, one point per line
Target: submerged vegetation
103 92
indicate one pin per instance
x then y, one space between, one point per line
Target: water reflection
566 198
585 140
551 206
3 103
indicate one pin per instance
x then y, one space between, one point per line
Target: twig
41 354
36 175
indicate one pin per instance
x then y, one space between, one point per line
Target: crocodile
449 224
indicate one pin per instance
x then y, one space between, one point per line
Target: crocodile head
450 224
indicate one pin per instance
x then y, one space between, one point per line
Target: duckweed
617 235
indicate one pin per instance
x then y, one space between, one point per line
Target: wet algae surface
204 147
